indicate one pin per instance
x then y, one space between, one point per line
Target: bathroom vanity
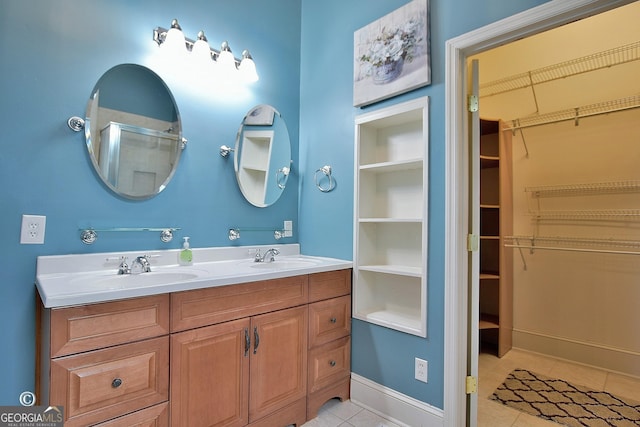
224 342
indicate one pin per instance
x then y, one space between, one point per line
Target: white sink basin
284 264
153 278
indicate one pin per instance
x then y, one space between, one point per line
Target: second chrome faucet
268 256
139 265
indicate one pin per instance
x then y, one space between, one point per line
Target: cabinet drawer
329 320
330 284
89 327
103 384
155 416
192 309
329 364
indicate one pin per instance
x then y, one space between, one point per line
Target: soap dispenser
185 257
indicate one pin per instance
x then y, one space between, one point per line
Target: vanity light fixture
226 63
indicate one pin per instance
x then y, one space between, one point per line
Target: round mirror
262 156
133 131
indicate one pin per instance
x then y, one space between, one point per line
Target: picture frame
392 54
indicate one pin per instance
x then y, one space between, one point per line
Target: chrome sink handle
123 268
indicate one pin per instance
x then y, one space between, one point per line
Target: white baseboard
396 407
597 355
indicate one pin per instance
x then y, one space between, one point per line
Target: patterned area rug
564 403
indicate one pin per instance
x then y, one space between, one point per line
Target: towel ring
326 171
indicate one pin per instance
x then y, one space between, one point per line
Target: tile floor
492 372
346 414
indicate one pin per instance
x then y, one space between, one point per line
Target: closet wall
578 301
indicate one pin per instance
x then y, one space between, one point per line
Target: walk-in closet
563 111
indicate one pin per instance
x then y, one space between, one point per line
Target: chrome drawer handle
333 320
116 383
332 363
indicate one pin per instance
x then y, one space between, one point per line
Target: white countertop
66 280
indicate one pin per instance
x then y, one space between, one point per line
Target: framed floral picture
391 55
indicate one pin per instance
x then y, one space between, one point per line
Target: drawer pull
332 363
116 383
333 320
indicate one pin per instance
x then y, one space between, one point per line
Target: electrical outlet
288 229
421 370
32 231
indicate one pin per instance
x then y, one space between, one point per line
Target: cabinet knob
332 363
116 383
333 320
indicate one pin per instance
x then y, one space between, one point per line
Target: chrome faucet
140 265
269 255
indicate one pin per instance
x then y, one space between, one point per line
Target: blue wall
326 137
53 53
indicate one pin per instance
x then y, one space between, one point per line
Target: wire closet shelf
585 64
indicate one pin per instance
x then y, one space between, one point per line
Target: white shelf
593 62
393 166
577 113
585 188
390 248
394 320
401 270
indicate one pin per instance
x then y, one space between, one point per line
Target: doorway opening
457 273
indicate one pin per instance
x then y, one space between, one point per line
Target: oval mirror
262 157
133 131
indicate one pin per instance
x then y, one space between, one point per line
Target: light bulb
226 63
174 41
201 51
248 68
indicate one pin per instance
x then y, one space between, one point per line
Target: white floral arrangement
392 45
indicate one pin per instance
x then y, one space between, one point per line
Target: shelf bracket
515 127
524 261
533 92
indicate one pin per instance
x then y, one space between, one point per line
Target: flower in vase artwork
391 54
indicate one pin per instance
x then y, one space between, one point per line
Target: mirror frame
262 184
115 124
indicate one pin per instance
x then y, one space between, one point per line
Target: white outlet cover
32 230
422 370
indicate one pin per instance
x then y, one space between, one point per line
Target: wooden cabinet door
278 360
210 375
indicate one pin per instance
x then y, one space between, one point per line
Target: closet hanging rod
596 61
576 113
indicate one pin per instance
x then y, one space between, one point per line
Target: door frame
457 186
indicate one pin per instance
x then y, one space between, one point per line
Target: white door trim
544 17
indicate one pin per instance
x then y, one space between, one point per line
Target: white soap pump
186 256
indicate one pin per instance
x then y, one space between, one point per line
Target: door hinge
471 385
472 242
473 103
